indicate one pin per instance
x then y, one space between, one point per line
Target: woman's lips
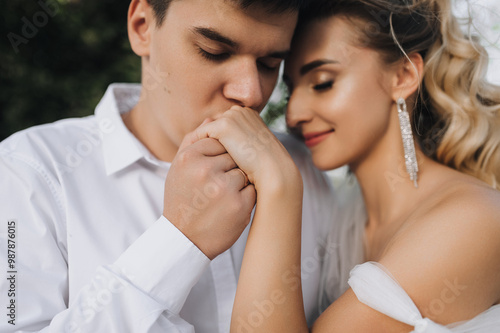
313 138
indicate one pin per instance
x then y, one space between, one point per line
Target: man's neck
143 127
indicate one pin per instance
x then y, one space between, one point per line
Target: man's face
206 57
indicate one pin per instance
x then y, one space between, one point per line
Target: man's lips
313 138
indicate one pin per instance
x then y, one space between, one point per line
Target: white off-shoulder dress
372 283
375 287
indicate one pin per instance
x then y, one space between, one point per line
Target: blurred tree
58 57
275 110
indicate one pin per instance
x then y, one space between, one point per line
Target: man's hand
206 197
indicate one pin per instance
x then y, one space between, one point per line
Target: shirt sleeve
143 291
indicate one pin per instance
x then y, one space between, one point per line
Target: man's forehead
227 19
270 6
254 8
160 7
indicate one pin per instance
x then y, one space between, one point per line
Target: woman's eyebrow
314 64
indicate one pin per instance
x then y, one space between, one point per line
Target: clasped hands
206 197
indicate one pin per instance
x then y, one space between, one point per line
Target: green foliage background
64 70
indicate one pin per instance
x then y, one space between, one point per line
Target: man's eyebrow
218 37
215 36
314 64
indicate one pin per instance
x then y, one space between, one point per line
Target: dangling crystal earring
408 144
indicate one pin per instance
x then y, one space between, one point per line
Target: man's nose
244 86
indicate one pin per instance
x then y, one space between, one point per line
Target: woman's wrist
280 180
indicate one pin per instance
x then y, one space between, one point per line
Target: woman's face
340 94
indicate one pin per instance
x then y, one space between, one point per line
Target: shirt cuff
163 263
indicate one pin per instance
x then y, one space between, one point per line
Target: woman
394 90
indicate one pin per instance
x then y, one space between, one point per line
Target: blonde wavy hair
456 119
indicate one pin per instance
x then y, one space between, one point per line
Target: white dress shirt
92 251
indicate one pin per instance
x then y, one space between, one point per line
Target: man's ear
408 76
140 23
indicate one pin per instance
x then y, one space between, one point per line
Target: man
82 199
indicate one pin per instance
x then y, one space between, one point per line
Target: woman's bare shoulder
447 257
465 201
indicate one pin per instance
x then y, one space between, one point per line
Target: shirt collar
120 147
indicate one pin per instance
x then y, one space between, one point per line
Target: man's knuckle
204 171
186 155
225 123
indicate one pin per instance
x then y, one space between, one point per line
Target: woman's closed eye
323 86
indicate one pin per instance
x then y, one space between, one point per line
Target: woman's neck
388 192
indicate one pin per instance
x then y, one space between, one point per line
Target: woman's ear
408 77
139 25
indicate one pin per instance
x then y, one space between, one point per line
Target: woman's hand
253 147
